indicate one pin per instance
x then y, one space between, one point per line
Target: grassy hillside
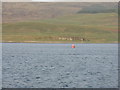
98 8
81 28
22 11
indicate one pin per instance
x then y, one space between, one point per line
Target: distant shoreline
50 42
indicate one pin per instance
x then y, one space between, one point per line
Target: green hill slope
22 11
76 28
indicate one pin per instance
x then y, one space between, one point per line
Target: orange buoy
73 46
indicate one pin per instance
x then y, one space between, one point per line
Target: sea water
32 65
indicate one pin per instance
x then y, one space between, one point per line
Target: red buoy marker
73 46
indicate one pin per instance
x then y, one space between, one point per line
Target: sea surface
32 65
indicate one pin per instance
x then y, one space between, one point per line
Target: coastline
77 42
